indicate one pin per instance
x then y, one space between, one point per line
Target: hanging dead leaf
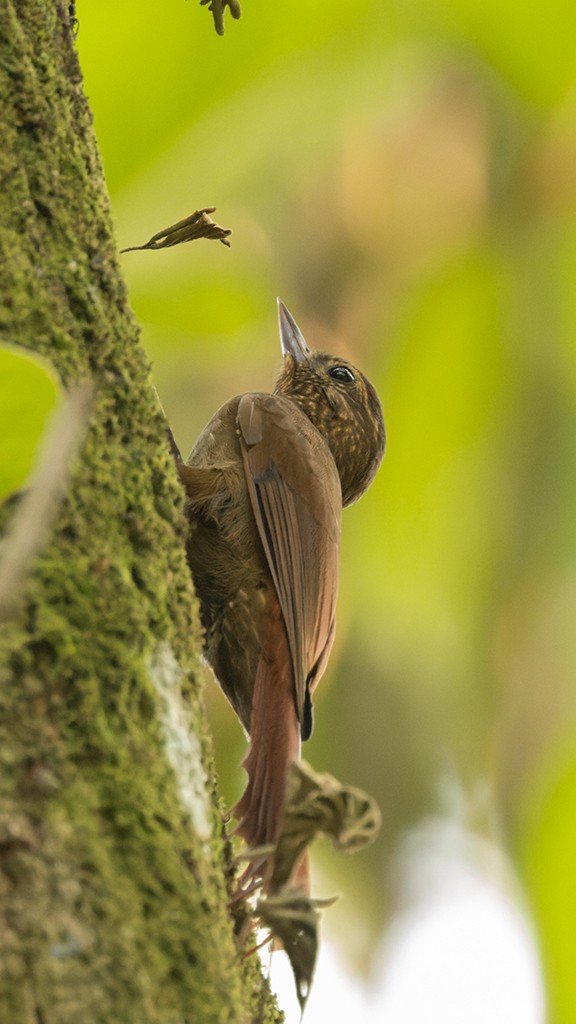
292 920
317 804
217 8
197 225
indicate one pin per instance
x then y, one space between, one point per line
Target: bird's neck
349 438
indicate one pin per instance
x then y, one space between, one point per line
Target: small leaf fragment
292 919
198 225
217 8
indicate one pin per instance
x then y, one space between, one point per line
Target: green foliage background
404 176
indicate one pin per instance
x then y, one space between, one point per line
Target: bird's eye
342 373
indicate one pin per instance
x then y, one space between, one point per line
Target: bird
265 484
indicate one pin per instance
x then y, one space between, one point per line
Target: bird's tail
274 745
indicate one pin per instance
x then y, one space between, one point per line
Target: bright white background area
460 951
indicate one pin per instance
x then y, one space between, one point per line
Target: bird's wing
297 500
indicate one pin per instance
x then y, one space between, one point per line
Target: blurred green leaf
549 856
30 391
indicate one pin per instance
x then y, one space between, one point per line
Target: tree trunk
113 900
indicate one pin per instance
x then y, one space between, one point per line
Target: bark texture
113 902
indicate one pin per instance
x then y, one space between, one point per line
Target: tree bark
113 898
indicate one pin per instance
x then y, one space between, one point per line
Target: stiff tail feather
274 745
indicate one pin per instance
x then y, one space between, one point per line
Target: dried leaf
292 920
217 8
317 804
197 225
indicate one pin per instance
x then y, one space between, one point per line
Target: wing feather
296 499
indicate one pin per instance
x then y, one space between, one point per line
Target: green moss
112 905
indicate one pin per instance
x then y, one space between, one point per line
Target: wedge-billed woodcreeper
265 485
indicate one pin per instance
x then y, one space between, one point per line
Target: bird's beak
291 337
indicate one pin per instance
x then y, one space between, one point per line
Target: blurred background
403 175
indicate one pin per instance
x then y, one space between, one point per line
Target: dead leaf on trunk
292 919
317 804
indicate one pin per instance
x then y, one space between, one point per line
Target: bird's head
341 403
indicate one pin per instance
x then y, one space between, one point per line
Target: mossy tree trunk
113 902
